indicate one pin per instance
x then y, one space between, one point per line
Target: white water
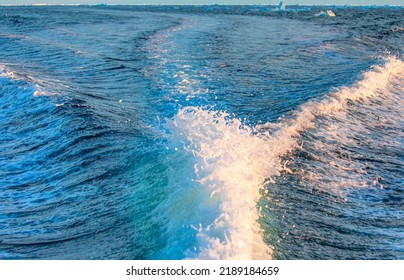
231 163
37 84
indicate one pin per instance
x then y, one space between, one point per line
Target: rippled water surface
208 132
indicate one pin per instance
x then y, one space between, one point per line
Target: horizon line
106 4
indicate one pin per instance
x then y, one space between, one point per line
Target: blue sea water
203 132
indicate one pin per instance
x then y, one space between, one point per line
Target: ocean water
201 132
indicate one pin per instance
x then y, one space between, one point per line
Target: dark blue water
210 132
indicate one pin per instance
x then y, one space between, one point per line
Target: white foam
231 163
37 84
4 72
164 51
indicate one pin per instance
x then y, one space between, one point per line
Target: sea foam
232 162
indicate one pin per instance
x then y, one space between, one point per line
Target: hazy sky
336 2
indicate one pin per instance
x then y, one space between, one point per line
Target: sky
245 2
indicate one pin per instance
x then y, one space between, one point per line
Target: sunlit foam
231 163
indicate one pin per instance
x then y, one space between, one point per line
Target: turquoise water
210 132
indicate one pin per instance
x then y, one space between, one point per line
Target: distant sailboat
330 13
281 7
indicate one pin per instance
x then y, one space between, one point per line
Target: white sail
330 13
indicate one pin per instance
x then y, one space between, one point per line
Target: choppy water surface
209 132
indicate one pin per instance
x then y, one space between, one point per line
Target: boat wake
226 166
